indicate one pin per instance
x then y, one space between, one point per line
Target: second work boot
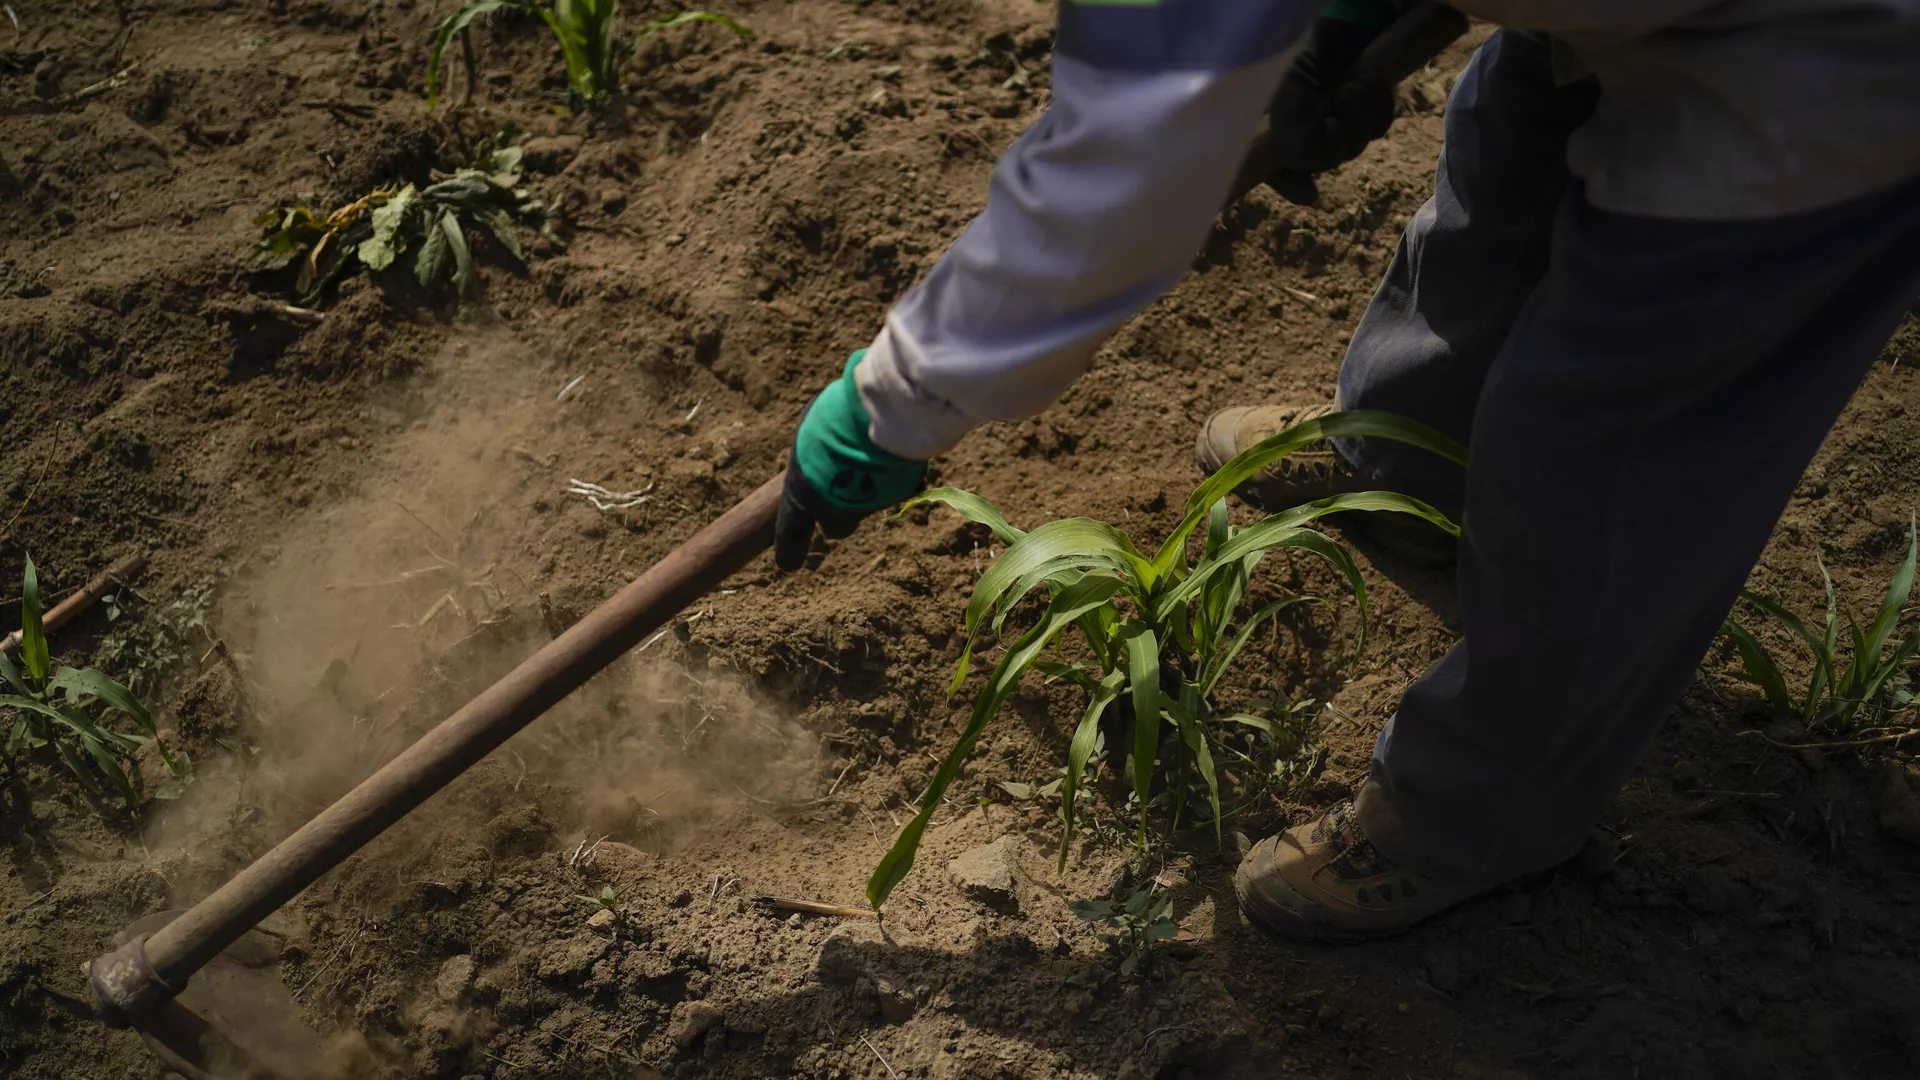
1314 471
1325 882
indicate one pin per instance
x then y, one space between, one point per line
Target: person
1665 242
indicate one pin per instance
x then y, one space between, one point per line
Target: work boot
1314 471
1325 882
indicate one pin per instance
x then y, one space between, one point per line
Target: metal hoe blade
235 1020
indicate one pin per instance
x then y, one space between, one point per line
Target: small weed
50 708
1160 629
605 900
1132 927
1851 691
588 41
421 233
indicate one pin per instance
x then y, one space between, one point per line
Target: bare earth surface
369 512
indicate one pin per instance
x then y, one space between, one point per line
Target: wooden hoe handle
129 982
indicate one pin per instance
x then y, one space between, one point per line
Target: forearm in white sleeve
1095 211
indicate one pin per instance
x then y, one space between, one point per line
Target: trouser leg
1633 444
1467 262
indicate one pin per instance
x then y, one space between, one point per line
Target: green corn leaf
379 250
10 675
1823 668
1893 664
1081 748
1210 676
1193 735
579 27
1218 528
23 737
682 18
109 766
1143 678
452 25
430 260
1359 423
1265 536
1057 572
970 506
1070 543
1083 596
86 681
1760 667
1259 536
33 636
1075 673
1897 591
466 282
77 765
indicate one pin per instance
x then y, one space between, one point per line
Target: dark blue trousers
1639 397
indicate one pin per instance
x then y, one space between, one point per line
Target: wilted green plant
1842 700
421 232
1133 926
1156 627
587 35
49 709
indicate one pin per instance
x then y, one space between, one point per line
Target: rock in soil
1895 804
692 1020
456 975
989 876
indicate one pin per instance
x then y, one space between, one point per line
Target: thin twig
1897 736
876 1053
7 529
814 907
101 87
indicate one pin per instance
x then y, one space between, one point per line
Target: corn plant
1156 627
1850 690
49 707
587 35
403 230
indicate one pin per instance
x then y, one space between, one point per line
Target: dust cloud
384 610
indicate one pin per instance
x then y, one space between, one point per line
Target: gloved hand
1329 107
836 476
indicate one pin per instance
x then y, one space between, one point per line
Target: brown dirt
312 496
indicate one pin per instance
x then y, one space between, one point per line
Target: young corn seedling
1852 691
1160 630
421 233
49 708
588 40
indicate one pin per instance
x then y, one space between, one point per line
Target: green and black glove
1339 94
836 476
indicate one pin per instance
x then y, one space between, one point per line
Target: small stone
456 976
691 1020
1895 804
602 919
988 876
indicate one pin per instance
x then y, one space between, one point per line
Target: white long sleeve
1098 209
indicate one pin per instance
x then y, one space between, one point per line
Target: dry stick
814 907
82 600
1897 736
7 529
101 87
876 1053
